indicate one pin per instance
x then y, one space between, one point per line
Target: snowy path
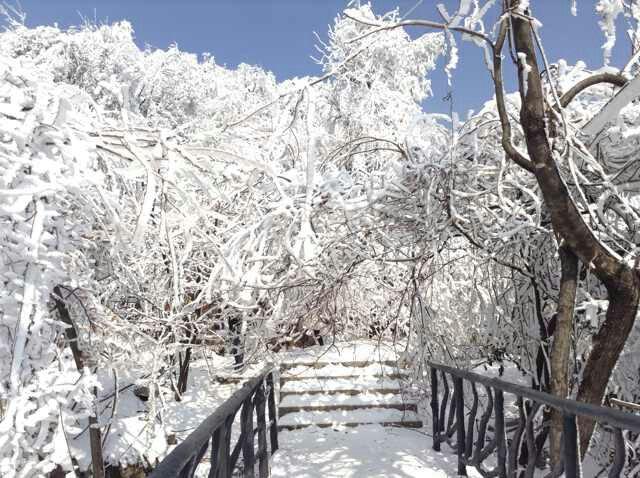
364 451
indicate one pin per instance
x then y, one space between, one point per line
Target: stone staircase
344 393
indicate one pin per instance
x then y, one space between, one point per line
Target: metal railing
214 435
516 443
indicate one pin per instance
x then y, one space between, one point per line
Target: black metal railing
516 443
214 435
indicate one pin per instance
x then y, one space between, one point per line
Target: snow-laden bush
53 211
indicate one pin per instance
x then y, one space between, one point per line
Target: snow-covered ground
365 451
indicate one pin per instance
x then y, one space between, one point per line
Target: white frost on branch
609 11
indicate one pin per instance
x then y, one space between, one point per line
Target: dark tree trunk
95 438
184 362
606 347
620 279
235 330
561 348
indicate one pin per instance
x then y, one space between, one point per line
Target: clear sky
278 34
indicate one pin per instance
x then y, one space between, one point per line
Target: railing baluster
452 412
620 456
215 445
459 404
501 439
443 405
480 448
523 454
571 447
273 413
516 441
224 465
263 453
532 453
190 469
472 421
434 409
246 424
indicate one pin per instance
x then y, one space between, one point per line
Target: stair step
339 370
392 376
362 398
405 424
352 391
413 407
339 384
346 417
319 363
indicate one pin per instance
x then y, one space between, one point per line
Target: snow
609 11
364 451
360 383
526 70
523 6
337 417
338 370
318 400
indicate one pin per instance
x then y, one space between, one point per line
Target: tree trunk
621 280
561 348
184 363
236 349
95 435
606 347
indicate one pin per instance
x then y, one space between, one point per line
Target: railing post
516 440
571 446
501 439
223 468
263 453
435 409
246 424
620 456
273 413
461 440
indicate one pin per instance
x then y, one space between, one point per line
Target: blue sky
278 34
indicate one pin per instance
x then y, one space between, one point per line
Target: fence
214 435
521 454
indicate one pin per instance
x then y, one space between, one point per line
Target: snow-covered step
344 371
355 376
328 362
308 402
364 399
366 416
349 386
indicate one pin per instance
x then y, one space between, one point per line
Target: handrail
215 430
610 416
520 455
